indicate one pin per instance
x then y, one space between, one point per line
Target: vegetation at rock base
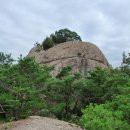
19 94
114 113
98 100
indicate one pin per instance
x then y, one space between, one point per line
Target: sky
106 23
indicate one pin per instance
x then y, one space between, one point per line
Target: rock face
81 56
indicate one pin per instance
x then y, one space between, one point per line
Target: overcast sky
105 23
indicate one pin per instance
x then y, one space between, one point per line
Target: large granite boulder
81 56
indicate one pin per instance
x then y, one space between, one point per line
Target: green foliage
64 72
27 88
7 125
125 68
20 93
21 102
126 59
5 59
94 85
63 35
64 94
68 93
115 113
44 112
122 103
98 118
102 84
47 43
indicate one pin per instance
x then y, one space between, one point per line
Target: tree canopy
98 100
65 35
60 36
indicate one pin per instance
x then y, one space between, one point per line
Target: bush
5 59
64 35
64 94
21 102
98 118
47 43
111 115
20 85
44 112
121 103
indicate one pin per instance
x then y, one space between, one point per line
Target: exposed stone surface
81 56
41 123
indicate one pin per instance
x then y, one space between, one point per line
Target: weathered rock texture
81 56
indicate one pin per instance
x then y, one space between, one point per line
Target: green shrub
64 35
98 118
64 94
8 125
121 103
20 93
47 43
60 36
44 112
5 59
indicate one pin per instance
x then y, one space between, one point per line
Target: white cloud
105 23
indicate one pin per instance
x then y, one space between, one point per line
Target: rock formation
81 56
40 123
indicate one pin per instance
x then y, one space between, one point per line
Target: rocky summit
81 56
